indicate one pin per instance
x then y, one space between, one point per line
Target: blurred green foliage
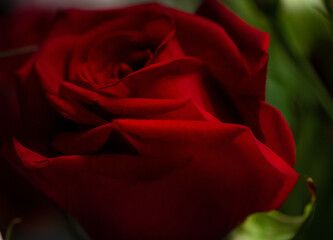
307 28
268 7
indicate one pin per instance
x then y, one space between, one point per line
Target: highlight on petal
134 107
178 78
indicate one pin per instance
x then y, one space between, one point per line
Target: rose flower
147 122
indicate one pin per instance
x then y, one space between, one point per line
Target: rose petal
213 46
156 32
73 110
252 47
134 107
150 138
82 142
251 42
51 64
185 173
183 78
37 118
168 49
30 159
270 127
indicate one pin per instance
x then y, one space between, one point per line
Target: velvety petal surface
185 172
241 72
150 123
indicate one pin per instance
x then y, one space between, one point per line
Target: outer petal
213 46
270 127
37 117
251 42
238 61
266 122
181 186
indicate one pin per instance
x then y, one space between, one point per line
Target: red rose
150 123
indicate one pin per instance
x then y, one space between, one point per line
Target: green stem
18 51
306 68
11 226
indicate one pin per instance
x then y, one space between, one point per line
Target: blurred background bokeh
299 84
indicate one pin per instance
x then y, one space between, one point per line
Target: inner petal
121 70
118 55
104 59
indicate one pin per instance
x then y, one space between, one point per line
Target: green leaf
274 225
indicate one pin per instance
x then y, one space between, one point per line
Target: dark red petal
37 117
270 127
251 42
73 110
113 42
98 52
150 137
234 51
188 183
52 62
182 78
209 42
52 66
30 159
169 48
82 142
246 89
134 107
